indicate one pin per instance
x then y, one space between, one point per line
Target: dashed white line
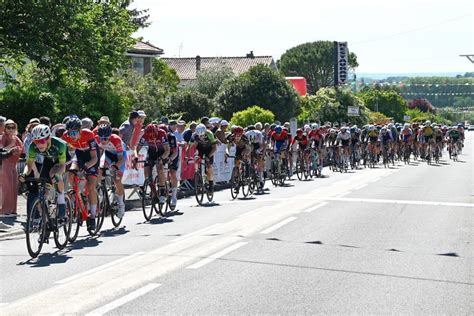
343 194
316 207
360 186
221 253
195 233
414 202
276 226
376 179
123 300
99 268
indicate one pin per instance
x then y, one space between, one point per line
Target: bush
252 115
260 85
378 118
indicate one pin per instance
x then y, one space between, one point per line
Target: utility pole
469 56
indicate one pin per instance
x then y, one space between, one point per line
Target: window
138 65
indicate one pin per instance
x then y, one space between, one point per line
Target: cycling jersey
207 140
155 140
373 133
55 153
406 135
241 143
85 142
302 141
385 138
280 140
454 134
115 145
427 131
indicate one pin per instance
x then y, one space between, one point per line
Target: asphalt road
396 240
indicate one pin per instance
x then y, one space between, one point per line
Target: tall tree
208 81
314 61
87 39
260 86
386 101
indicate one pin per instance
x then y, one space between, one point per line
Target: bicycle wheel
245 180
209 192
159 206
165 207
253 185
299 168
61 235
147 199
35 229
74 217
198 187
274 174
103 206
234 183
116 220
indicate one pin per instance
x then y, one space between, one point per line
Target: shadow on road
113 232
47 259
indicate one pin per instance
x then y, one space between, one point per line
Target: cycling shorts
204 152
108 159
81 157
153 155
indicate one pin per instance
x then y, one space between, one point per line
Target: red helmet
163 127
151 130
238 131
299 132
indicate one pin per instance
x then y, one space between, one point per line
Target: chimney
198 63
250 55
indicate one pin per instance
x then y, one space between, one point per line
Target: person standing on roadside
11 142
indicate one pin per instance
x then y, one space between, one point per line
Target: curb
11 233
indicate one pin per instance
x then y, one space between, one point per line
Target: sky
403 36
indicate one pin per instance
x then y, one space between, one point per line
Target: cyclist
158 151
302 140
173 163
373 137
86 157
237 138
385 138
114 157
427 133
438 137
343 139
257 141
279 143
206 146
453 137
316 137
53 150
406 136
355 142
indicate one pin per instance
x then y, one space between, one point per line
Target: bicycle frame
78 198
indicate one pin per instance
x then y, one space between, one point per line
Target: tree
386 101
315 62
260 85
378 118
252 115
189 104
330 104
421 104
208 81
86 39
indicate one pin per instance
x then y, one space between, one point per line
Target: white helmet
251 135
258 126
87 123
406 126
201 129
40 132
314 126
371 127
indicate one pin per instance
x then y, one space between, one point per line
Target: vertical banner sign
341 63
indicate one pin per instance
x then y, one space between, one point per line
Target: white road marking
3 304
99 268
316 207
343 194
360 186
434 203
205 229
218 255
123 300
376 179
276 226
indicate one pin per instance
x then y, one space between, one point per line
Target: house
187 68
142 55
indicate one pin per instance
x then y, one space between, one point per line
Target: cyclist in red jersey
156 140
302 140
86 157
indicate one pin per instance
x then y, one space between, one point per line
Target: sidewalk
13 227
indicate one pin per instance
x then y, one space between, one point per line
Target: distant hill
379 76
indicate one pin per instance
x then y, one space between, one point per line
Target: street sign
352 111
406 117
293 126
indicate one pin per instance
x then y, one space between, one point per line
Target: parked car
470 128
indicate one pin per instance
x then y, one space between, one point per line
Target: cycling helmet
332 131
272 127
299 132
151 130
238 131
163 127
40 132
250 127
201 129
104 131
315 126
278 129
428 123
343 129
258 126
87 123
459 125
353 129
251 135
406 126
390 126
384 129
74 123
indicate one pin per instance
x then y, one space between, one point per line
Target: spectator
189 132
131 128
3 154
214 124
27 135
45 120
87 123
220 134
164 120
102 120
11 142
181 126
205 121
173 126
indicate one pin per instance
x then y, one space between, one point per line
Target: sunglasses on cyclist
73 133
103 139
41 141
